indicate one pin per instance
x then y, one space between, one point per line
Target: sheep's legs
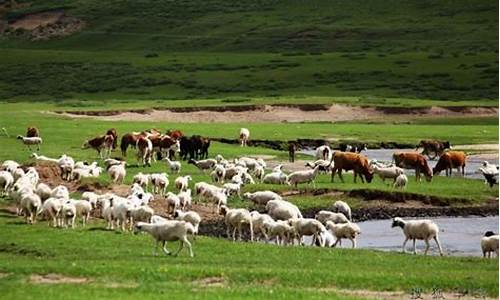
415 246
353 243
427 245
188 244
165 250
336 242
404 245
439 245
181 245
234 234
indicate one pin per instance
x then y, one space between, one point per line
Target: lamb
166 232
307 176
280 230
141 179
185 199
68 214
387 172
121 210
118 172
142 213
182 182
160 182
401 182
30 141
235 218
305 226
418 230
342 207
218 174
6 181
43 191
174 166
344 231
31 206
275 178
244 136
262 197
67 165
83 208
282 210
205 164
324 216
233 189
489 243
51 208
258 221
189 216
173 202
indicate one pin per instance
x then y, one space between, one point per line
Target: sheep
117 173
324 216
43 158
68 214
142 213
248 162
261 162
60 192
43 191
275 178
173 202
244 136
418 230
232 171
31 205
233 188
235 218
280 230
108 162
10 165
166 232
18 173
158 219
490 173
29 141
142 180
258 221
217 196
247 178
83 208
91 197
262 197
66 165
401 182
342 207
278 169
6 181
182 182
344 231
324 165
489 243
51 208
205 164
218 174
160 182
324 152
387 172
121 210
307 176
327 238
305 226
79 173
185 199
282 210
189 216
174 166
259 172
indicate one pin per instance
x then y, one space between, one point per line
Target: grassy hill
201 49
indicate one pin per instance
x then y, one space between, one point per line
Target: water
385 155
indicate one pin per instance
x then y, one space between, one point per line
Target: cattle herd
275 219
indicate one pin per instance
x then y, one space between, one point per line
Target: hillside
149 49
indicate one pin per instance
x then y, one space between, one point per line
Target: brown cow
100 143
164 143
130 139
32 131
113 133
144 150
175 134
450 160
351 161
433 146
413 160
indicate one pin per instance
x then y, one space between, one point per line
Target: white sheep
418 230
51 208
79 173
387 172
324 152
182 182
218 174
279 230
174 166
261 197
121 209
282 210
244 136
203 165
158 219
275 178
18 173
10 165
401 182
141 213
185 199
172 201
43 191
83 209
117 173
160 182
323 216
489 244
166 232
258 221
344 231
31 205
142 180
30 141
259 172
233 189
6 182
60 192
344 208
324 165
306 226
234 218
108 162
189 216
68 214
307 176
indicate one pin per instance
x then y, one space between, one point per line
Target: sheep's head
176 214
398 222
489 233
223 210
138 227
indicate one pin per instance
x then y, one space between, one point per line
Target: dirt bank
276 113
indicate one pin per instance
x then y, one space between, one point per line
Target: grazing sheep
6 181
387 172
259 172
262 197
490 173
68 214
168 231
324 165
118 172
43 191
244 136
142 213
250 163
31 206
258 221
108 162
235 218
305 226
78 173
401 182
185 199
83 208
182 182
307 176
489 244
51 208
160 182
324 216
279 230
158 219
173 202
233 189
418 230
60 192
30 141
275 178
344 231
189 216
174 166
282 210
142 180
342 207
218 174
278 168
205 164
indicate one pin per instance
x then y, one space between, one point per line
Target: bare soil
52 278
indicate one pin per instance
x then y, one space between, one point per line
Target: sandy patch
3 275
32 21
52 278
215 281
278 114
492 147
121 285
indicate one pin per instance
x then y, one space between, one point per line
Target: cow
32 131
413 160
351 161
355 147
100 143
194 147
450 160
433 146
144 150
113 133
175 134
130 139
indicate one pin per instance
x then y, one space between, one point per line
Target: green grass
249 270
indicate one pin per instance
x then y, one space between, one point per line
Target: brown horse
113 133
129 139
